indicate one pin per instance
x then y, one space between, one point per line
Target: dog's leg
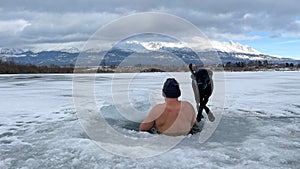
199 115
200 110
210 115
205 100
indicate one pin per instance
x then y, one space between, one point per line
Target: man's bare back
173 117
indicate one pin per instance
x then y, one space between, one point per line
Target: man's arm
192 111
149 122
146 126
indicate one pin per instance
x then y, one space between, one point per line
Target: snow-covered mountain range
11 51
230 47
226 51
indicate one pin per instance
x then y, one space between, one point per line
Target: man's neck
171 101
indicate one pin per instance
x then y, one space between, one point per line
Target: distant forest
259 65
14 68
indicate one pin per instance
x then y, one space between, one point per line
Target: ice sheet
259 128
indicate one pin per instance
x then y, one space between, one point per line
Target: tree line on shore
15 68
259 65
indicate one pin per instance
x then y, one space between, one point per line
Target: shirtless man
173 117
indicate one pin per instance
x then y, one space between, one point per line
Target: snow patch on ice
259 129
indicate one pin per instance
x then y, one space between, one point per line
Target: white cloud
54 46
290 41
248 15
45 28
292 35
37 22
12 27
236 37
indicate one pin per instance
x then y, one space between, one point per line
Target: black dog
203 87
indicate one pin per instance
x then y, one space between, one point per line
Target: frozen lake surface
260 125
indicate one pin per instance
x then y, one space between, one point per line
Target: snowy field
259 128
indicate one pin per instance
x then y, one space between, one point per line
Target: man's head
171 89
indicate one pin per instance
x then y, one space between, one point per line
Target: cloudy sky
270 26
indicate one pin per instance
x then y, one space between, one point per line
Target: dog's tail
191 69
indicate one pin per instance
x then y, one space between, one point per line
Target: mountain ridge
227 52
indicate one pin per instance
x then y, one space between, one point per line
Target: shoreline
13 68
71 73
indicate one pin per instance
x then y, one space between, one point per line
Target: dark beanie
171 88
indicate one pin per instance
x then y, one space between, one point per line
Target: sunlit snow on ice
260 126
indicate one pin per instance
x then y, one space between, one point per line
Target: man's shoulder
159 106
157 110
186 103
188 106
